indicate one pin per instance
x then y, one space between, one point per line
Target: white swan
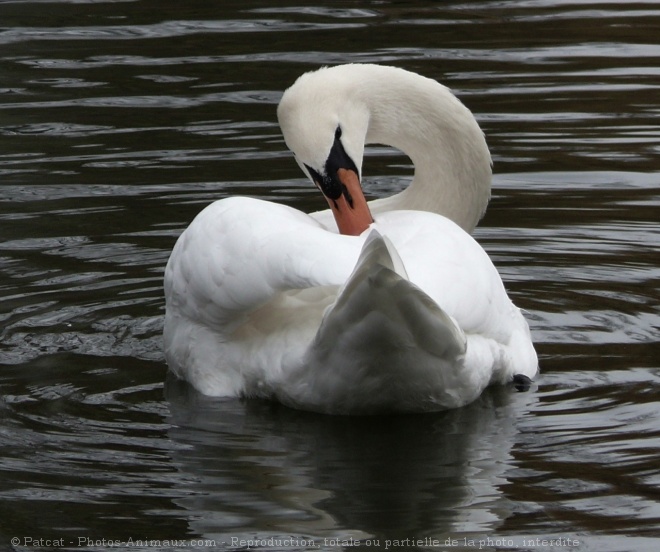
400 311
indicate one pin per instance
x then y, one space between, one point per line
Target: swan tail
384 344
379 285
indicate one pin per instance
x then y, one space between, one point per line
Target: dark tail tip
521 382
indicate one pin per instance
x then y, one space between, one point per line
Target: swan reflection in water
258 469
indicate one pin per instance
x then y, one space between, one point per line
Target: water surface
119 121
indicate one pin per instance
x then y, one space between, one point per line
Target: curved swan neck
387 105
428 123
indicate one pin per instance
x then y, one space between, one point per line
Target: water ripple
166 29
98 95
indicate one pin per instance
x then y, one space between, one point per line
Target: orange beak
350 209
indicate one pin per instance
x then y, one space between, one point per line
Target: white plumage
409 314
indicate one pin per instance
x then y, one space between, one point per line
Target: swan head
328 115
325 126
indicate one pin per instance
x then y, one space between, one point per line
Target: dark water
119 121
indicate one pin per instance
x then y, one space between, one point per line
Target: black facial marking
316 177
338 158
329 181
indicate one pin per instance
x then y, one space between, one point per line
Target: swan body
388 305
